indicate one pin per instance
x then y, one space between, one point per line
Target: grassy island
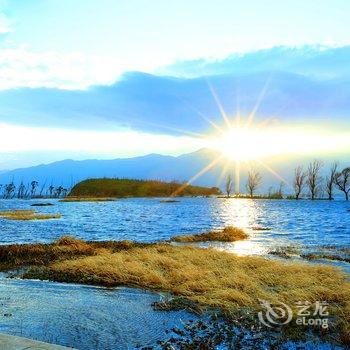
228 234
118 188
27 215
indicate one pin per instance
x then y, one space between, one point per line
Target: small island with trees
121 188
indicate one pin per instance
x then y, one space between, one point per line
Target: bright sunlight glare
246 144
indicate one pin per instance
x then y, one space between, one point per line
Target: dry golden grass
210 277
13 256
207 277
27 215
86 199
228 234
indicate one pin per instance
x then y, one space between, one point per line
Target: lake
121 318
147 220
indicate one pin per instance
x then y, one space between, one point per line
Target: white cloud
20 67
5 26
16 138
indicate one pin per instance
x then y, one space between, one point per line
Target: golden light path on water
242 213
245 212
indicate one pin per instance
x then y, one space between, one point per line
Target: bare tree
253 182
330 179
51 189
229 185
58 191
42 189
342 180
34 185
299 181
9 190
64 192
21 190
313 179
280 190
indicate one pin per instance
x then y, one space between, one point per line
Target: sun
246 144
258 143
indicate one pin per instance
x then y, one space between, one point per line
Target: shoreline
201 278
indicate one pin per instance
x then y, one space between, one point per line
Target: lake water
147 220
85 317
99 318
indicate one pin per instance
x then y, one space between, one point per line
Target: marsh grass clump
260 228
16 213
67 247
27 215
210 278
17 255
228 234
285 252
325 256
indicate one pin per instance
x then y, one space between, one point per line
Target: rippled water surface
88 318
305 222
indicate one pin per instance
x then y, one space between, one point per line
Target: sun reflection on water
242 213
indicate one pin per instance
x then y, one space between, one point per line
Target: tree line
309 178
31 190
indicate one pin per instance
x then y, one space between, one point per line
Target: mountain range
152 166
182 168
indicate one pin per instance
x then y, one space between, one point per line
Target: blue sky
95 41
75 44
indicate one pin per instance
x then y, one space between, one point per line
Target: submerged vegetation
116 188
41 205
341 254
326 256
228 234
86 199
27 215
196 277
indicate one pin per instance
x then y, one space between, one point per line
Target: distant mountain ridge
152 166
182 168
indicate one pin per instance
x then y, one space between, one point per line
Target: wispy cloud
16 138
5 24
20 67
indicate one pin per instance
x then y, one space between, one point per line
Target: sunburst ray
237 177
219 105
196 176
258 102
275 173
208 120
223 172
